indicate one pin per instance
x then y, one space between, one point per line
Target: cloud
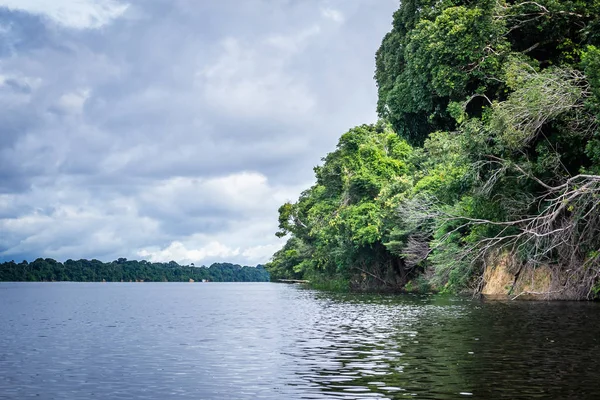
156 220
252 82
332 14
79 14
198 252
177 128
73 102
257 254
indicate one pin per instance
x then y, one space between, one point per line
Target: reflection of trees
534 349
439 347
390 346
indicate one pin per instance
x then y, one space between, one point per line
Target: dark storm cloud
172 129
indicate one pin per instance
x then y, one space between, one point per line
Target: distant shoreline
123 270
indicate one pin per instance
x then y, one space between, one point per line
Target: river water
278 341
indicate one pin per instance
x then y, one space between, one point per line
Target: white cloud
247 81
240 211
333 15
79 14
192 252
65 228
73 102
198 249
246 194
241 192
258 254
291 44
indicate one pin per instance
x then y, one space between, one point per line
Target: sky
173 129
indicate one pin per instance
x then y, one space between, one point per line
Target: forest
123 270
484 164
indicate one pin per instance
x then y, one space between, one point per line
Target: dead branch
563 234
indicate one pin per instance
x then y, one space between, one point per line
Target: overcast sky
172 129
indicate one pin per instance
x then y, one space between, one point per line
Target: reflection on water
275 341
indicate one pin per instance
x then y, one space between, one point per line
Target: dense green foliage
488 143
444 51
127 271
346 217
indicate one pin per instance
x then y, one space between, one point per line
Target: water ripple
270 341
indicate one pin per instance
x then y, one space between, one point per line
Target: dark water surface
277 341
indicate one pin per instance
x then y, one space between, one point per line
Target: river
279 341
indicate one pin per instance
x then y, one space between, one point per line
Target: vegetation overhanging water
482 174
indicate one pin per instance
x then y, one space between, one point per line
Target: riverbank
504 279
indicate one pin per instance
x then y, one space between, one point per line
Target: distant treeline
47 269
